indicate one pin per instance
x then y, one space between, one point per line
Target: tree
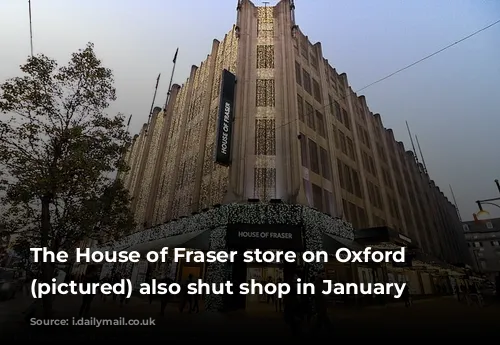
59 152
22 249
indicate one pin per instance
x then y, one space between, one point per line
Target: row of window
310 85
344 143
349 179
312 56
368 163
489 225
393 207
339 113
315 157
387 179
319 197
363 136
480 244
374 195
355 215
313 118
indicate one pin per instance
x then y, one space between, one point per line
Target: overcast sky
451 101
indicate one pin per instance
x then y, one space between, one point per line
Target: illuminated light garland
217 272
314 224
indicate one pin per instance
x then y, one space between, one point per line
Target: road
427 319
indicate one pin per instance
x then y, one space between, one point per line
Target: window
314 60
335 136
313 154
325 164
303 150
363 221
364 158
367 139
489 225
298 73
330 104
495 243
465 227
300 107
345 209
356 184
304 48
316 91
307 190
265 56
338 114
348 179
317 197
347 122
343 144
350 149
483 264
320 124
328 202
309 115
354 215
341 173
373 170
307 81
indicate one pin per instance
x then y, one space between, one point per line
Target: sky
451 101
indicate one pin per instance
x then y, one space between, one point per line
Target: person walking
186 298
278 301
165 298
406 296
292 307
90 277
320 304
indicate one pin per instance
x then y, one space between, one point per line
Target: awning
332 243
195 240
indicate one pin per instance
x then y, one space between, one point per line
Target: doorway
260 273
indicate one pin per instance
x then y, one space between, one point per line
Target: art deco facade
300 134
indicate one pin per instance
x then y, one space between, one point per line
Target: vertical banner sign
225 121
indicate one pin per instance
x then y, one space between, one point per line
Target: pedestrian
406 296
291 307
320 304
196 306
278 301
186 298
270 297
497 285
89 278
165 298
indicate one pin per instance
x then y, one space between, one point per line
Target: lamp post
480 203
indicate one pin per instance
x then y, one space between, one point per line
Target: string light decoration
147 180
313 222
217 272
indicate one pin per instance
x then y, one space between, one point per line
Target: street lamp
483 213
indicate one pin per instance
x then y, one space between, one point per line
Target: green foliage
59 149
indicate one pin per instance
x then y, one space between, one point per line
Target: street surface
436 318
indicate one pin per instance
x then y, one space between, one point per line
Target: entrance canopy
332 243
196 240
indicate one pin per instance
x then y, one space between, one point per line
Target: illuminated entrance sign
275 236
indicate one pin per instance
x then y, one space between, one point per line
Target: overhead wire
347 94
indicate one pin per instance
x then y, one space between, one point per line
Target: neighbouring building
483 240
266 137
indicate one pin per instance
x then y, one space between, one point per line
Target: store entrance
261 273
268 273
